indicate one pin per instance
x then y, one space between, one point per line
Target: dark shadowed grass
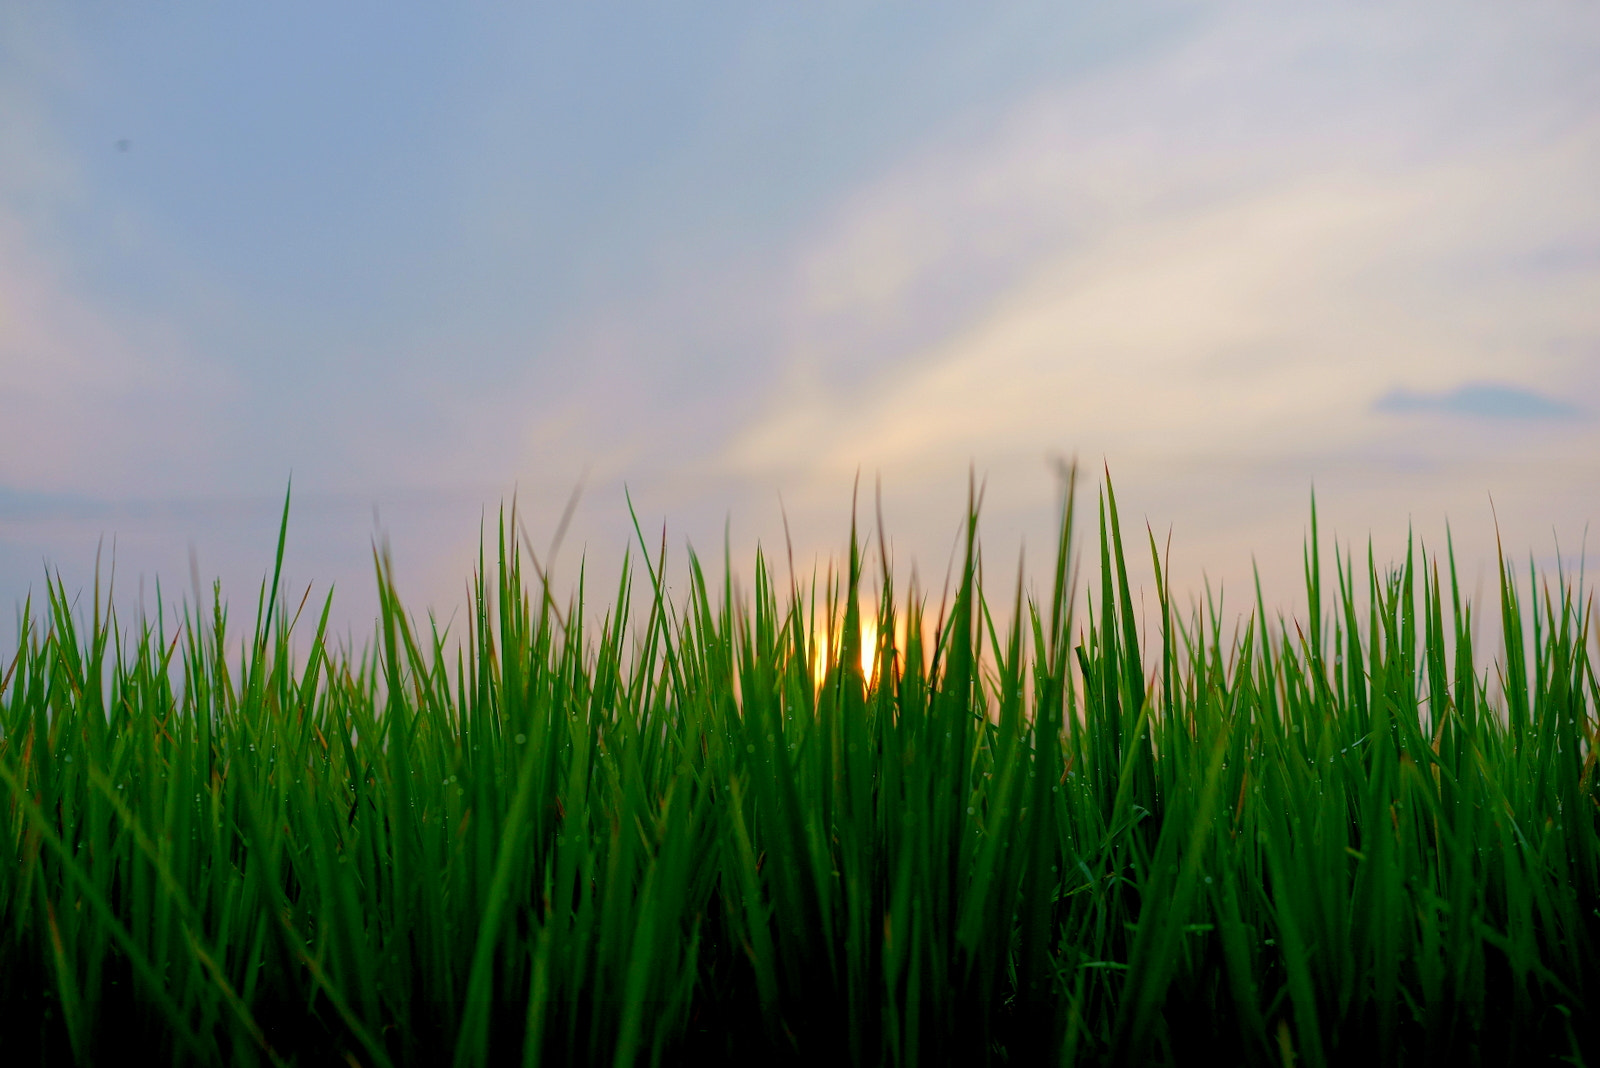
708 835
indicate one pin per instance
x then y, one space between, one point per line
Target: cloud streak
1204 243
1201 252
1480 400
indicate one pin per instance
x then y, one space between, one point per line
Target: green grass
558 838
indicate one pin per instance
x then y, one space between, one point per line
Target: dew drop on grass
750 749
522 739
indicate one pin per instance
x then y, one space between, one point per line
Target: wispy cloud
1199 243
1479 400
1221 247
1203 262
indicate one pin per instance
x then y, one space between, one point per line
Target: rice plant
1003 832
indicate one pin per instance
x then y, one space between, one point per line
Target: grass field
703 834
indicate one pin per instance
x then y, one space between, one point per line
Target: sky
722 260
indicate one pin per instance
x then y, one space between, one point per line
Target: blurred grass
709 835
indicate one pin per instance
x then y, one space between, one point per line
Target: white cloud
1205 260
1207 266
1233 249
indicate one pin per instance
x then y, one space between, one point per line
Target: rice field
1010 831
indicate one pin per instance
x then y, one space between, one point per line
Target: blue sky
422 258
